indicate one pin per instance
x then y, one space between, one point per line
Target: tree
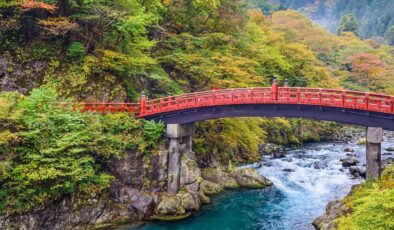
348 24
365 68
390 35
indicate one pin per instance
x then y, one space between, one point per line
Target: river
304 182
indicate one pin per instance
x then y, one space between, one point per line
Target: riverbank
299 193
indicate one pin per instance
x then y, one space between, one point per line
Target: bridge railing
286 95
110 107
268 95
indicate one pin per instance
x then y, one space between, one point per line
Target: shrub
76 51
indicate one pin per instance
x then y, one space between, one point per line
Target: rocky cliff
138 192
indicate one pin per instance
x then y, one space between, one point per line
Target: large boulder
249 177
276 151
210 188
190 172
333 210
170 205
218 176
188 202
349 161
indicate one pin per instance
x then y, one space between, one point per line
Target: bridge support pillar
374 142
177 134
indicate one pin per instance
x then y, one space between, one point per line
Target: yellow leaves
57 26
256 16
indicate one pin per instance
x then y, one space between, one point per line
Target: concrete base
180 137
374 152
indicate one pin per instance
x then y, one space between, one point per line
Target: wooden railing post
343 98
366 98
274 89
392 105
142 104
320 96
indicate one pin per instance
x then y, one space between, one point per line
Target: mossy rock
170 205
390 149
362 141
168 218
210 188
203 198
250 178
218 176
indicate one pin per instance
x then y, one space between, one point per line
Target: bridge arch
316 112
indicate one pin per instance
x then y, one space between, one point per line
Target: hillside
375 17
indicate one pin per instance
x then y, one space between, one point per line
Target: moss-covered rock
170 218
188 202
250 178
203 198
218 176
170 205
361 141
210 188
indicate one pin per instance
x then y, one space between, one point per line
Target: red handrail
268 95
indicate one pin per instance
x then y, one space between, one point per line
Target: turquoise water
295 200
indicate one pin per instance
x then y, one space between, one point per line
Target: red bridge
359 108
375 111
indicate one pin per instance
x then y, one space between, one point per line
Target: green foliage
152 133
348 24
49 150
372 205
76 50
235 139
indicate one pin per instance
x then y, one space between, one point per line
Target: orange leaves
57 26
33 5
366 63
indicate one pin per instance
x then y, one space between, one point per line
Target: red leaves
29 5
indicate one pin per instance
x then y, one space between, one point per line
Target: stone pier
180 136
374 144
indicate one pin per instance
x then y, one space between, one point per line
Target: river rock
319 165
249 177
362 141
188 202
218 176
333 210
351 154
210 188
203 198
170 205
276 151
390 149
387 162
288 170
357 171
349 150
349 161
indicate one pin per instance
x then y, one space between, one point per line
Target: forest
376 18
112 50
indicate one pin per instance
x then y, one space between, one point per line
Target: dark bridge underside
347 116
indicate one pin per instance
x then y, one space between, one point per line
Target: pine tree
390 35
348 24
